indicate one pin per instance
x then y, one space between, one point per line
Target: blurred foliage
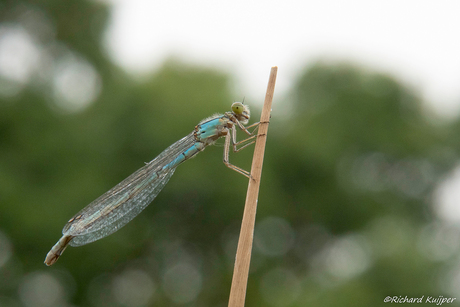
345 213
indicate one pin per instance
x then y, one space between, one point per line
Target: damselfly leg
231 140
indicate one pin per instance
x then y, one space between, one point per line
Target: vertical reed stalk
243 254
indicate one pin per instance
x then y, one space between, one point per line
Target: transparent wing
125 212
126 200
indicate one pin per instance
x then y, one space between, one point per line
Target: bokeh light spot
19 58
76 83
133 288
447 198
18 54
182 283
346 258
274 236
40 289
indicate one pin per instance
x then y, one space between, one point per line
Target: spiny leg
245 129
228 140
235 143
256 125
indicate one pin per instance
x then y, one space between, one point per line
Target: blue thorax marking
210 128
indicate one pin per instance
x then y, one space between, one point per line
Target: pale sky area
415 41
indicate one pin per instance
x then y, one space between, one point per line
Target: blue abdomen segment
187 154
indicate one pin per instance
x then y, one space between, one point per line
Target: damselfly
126 200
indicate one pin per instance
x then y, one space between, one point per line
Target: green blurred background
346 209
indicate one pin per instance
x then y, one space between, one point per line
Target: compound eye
237 108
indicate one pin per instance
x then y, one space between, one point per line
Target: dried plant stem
243 254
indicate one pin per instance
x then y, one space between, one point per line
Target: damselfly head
241 112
